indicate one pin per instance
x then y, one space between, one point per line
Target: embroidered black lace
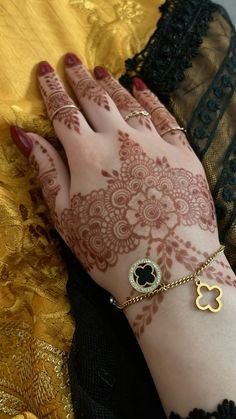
225 410
175 42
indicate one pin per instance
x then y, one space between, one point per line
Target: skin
131 192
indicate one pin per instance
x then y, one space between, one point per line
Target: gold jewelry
154 270
58 100
62 107
174 129
144 275
136 113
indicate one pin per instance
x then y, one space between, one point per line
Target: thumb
51 170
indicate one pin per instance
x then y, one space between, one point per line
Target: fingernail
22 140
44 68
139 84
71 60
100 73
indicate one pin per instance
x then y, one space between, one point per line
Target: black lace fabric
225 410
190 63
170 50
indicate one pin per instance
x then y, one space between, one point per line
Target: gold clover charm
145 276
200 286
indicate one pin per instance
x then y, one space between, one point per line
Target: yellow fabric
35 325
25 415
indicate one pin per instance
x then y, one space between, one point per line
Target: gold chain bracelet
154 270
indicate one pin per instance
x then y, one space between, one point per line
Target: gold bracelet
143 267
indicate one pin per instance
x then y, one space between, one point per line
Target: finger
97 105
165 124
125 102
70 125
50 169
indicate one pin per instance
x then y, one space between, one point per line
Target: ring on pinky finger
136 113
174 129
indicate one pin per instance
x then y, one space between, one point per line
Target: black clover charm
145 275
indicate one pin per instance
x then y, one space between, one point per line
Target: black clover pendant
145 275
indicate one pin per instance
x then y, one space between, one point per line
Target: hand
131 189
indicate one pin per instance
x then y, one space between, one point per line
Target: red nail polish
139 84
100 73
22 140
72 60
44 68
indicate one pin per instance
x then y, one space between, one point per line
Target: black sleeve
109 377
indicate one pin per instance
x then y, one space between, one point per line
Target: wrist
187 261
209 275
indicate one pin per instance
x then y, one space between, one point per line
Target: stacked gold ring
175 129
58 101
136 113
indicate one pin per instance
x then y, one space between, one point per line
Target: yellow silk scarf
35 325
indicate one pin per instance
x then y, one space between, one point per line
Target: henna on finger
124 101
162 119
70 118
86 88
60 107
47 178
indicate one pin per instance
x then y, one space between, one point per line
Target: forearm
190 353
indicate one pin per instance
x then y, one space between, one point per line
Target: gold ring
63 107
136 113
175 129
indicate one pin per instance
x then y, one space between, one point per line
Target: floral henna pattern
211 272
56 101
125 102
162 119
145 200
55 97
70 118
48 180
50 83
87 88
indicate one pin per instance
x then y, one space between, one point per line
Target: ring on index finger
57 101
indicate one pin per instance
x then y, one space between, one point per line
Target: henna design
48 180
49 84
56 100
147 200
174 249
50 188
145 317
161 117
125 102
71 119
55 97
181 138
87 88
